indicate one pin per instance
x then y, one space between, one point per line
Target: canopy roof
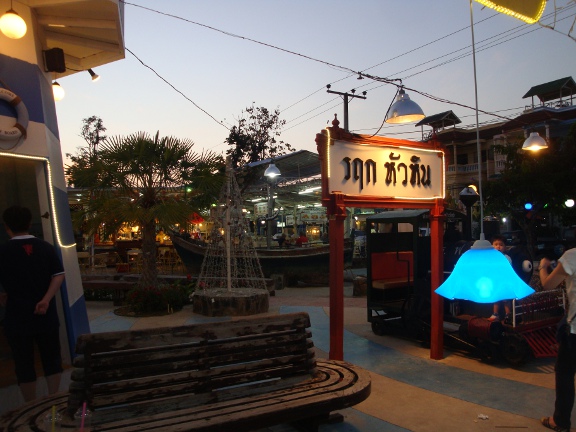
440 121
90 32
299 170
553 90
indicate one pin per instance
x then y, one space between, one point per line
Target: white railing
463 168
539 306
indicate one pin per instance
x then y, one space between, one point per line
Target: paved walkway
410 392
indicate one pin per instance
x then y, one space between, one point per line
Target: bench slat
201 353
191 383
337 386
150 338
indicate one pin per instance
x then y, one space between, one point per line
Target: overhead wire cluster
376 81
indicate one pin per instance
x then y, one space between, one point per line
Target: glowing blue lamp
483 275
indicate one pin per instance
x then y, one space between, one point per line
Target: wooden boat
309 265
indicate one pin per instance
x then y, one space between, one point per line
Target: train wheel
514 349
488 352
378 326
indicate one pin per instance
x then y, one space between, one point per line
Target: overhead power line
349 71
167 82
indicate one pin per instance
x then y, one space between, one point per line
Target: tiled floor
410 392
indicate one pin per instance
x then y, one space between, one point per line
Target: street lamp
272 173
404 110
482 274
534 142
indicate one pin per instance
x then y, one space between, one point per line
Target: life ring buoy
19 129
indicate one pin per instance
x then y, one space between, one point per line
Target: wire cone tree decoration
230 261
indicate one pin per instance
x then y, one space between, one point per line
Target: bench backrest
126 367
392 265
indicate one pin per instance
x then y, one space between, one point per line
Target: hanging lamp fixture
58 91
482 274
534 142
12 25
404 110
528 11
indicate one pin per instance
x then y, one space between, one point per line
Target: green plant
176 295
164 298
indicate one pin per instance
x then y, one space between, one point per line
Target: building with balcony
551 113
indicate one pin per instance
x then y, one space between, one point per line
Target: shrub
163 298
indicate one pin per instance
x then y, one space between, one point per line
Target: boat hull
308 265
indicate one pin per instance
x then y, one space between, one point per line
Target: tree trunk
149 276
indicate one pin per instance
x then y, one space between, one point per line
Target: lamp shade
528 11
272 171
58 91
12 25
404 110
534 142
483 275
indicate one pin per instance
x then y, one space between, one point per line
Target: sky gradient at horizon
211 76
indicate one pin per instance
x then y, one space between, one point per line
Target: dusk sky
217 57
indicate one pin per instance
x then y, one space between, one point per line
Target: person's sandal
494 318
546 422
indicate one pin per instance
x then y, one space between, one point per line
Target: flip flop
546 422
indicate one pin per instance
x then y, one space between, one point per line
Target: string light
53 210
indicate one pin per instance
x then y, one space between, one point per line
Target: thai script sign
385 171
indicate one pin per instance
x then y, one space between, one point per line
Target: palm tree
140 179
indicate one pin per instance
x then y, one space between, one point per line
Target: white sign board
385 171
261 209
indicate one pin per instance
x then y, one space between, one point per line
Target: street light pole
269 212
271 173
347 96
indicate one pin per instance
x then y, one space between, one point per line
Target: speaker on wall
54 60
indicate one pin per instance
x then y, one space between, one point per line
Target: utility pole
350 95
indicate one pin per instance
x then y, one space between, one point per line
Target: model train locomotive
399 290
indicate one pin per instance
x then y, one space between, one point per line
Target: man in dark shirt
31 274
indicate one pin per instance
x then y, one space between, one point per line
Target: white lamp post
272 173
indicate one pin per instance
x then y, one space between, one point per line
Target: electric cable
178 91
338 67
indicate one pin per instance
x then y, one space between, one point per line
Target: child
499 243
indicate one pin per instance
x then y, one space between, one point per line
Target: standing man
31 274
566 360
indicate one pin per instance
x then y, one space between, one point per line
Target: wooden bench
236 376
392 269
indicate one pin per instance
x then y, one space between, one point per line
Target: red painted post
336 237
437 277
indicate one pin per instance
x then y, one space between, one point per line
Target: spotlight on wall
58 91
94 75
12 24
